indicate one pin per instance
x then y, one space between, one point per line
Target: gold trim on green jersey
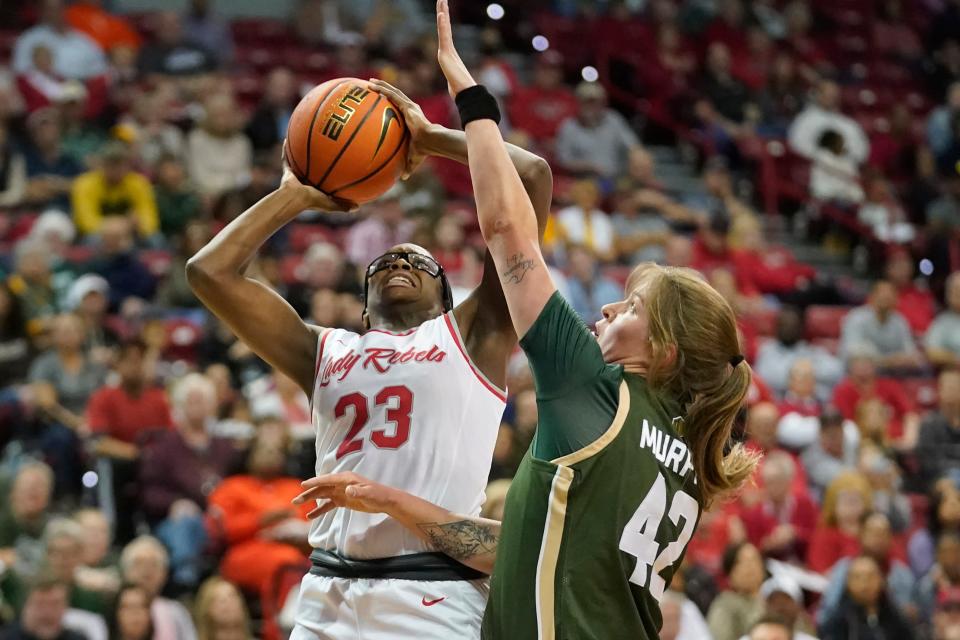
550 551
595 447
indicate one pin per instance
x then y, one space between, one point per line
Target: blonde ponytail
696 359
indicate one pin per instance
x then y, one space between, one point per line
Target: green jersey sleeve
577 392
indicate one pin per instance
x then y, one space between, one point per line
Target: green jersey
600 512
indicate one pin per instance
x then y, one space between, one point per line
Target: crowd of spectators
148 458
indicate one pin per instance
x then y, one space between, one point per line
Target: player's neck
402 320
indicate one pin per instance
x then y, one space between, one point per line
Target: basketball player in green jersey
631 444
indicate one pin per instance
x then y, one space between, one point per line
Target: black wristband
476 103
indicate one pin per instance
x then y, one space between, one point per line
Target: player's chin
400 294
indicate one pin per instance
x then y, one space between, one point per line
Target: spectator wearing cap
114 189
946 617
942 340
268 124
776 357
89 298
784 601
180 468
597 142
877 542
737 607
938 447
50 171
831 454
781 523
863 383
837 535
385 227
943 577
538 109
584 223
171 53
118 264
219 155
75 55
44 612
865 609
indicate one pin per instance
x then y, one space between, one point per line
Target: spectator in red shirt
862 382
772 269
781 524
711 251
121 414
837 535
539 109
915 302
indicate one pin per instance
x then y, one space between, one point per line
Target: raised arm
469 540
506 214
253 311
483 318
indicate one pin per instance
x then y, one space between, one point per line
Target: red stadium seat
825 322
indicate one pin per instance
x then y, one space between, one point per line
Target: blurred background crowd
804 155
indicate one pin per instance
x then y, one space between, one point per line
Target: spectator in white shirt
75 55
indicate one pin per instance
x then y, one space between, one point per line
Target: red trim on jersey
391 333
456 339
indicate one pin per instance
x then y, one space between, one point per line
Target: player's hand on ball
345 489
458 78
417 124
307 196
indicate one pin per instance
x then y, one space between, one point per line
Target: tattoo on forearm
462 539
517 267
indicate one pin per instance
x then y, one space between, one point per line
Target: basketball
347 140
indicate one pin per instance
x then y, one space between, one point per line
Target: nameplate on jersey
671 452
378 359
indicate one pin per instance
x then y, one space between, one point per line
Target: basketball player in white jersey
414 403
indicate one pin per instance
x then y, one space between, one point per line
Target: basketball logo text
344 111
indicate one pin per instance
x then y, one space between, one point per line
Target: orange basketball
347 140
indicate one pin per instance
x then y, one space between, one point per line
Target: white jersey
407 410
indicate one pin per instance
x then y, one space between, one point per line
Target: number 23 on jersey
639 537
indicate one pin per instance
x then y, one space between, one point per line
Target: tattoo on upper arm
517 267
462 539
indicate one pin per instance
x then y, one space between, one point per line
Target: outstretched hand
345 489
458 78
307 196
417 124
